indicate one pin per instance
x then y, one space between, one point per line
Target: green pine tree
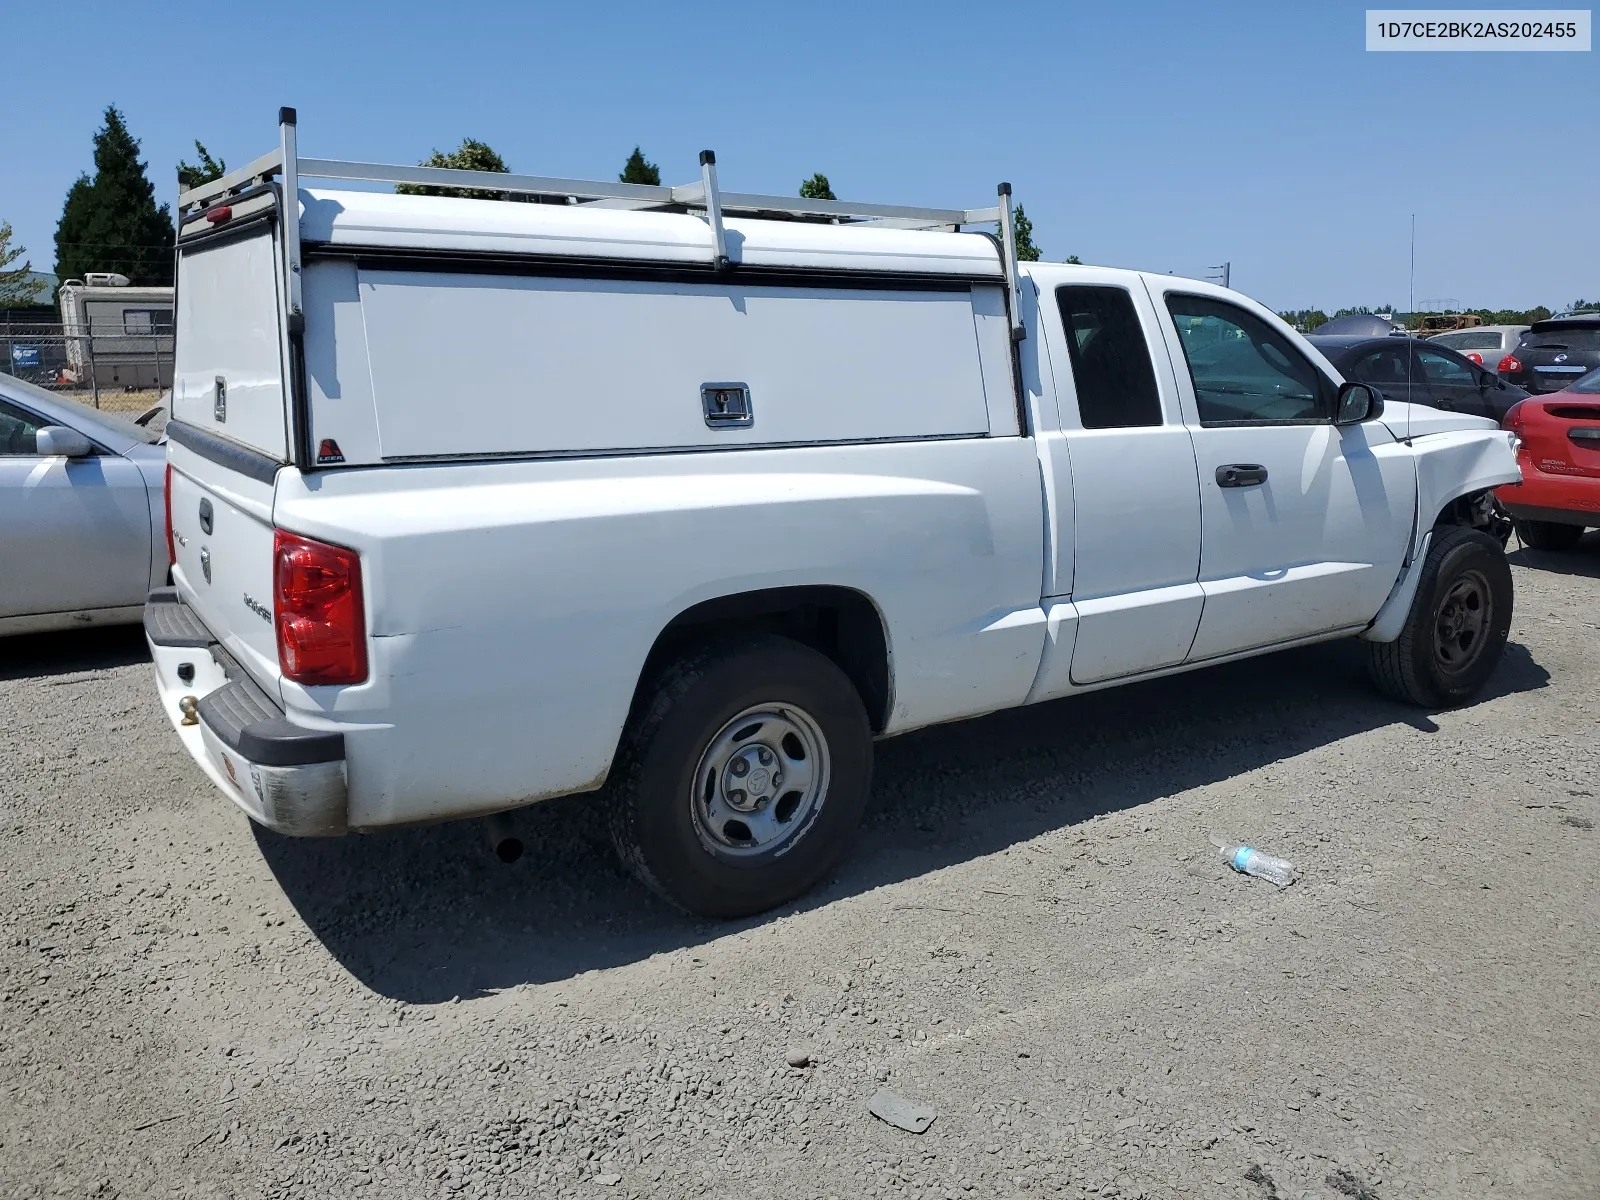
817 188
192 175
471 155
637 170
110 222
16 289
1026 250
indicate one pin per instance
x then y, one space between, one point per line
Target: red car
1559 496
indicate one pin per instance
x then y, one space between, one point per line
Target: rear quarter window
1585 339
1469 341
1111 368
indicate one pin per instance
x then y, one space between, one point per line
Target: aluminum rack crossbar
702 195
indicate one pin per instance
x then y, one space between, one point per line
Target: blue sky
1167 136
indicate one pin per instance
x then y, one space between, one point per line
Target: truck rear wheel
1547 535
1456 630
743 778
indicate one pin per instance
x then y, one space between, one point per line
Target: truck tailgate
222 536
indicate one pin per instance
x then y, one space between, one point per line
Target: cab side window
1386 368
1111 368
1244 371
17 430
1445 372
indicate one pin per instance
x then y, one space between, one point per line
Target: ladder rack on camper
702 196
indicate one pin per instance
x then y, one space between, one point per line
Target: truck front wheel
1456 630
743 778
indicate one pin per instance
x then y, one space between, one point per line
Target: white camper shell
685 496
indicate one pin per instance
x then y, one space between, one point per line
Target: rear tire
1455 633
743 777
1548 535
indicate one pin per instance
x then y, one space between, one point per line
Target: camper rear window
146 320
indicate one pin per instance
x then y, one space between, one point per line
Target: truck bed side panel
513 604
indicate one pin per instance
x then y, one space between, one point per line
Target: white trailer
117 335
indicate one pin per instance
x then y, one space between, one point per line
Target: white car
1485 345
476 503
81 516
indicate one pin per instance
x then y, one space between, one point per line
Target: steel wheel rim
1461 622
760 782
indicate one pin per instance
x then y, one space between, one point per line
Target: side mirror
58 439
1357 402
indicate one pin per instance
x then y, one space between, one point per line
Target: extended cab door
1303 525
1127 549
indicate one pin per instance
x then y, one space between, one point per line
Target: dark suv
1554 354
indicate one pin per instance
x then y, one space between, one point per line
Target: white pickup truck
684 497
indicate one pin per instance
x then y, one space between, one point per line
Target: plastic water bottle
1249 861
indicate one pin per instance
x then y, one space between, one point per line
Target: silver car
1485 345
82 513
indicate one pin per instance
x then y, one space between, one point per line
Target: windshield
1590 383
92 422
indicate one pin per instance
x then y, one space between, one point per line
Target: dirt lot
114 400
1036 940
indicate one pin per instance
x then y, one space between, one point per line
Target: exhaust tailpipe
503 837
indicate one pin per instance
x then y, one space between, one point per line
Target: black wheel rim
1461 623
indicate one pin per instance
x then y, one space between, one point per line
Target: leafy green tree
1305 319
1074 261
16 289
1026 250
817 188
110 222
471 155
192 175
637 170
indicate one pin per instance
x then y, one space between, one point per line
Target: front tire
1456 630
743 778
1548 535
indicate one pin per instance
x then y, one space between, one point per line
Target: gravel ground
1036 940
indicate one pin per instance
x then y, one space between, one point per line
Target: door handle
1241 475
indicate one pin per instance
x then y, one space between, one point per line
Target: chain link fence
120 366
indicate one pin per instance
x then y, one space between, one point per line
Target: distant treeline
1306 320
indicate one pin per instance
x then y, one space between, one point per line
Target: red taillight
172 553
322 630
220 215
1475 357
1509 363
1513 418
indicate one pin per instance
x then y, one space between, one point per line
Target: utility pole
1227 272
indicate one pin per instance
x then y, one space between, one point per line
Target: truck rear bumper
285 776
